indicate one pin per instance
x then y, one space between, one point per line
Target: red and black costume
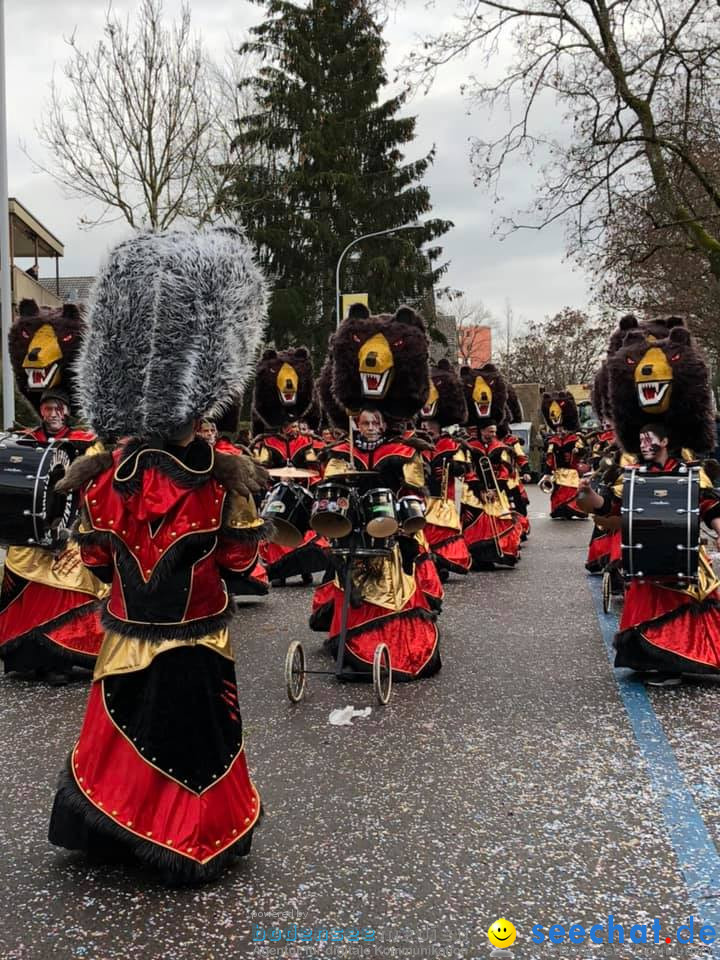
564 454
604 546
283 395
158 774
396 595
170 538
517 493
666 628
380 363
448 462
49 602
491 529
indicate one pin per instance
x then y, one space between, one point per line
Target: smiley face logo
502 933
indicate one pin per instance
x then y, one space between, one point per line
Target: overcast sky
527 268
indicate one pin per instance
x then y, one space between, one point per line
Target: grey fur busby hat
174 324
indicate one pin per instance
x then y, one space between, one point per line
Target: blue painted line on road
694 848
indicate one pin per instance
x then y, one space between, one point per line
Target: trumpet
546 484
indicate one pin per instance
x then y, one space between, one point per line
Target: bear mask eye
398 343
675 357
630 362
26 335
356 338
67 338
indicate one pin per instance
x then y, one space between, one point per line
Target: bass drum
661 525
32 513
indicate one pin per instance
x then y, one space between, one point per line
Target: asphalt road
521 782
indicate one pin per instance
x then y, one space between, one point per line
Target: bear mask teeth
374 384
39 377
652 392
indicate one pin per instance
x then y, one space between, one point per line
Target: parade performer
661 408
283 395
380 378
605 457
564 456
49 612
492 531
445 408
158 774
254 582
520 470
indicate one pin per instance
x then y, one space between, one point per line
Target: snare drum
661 525
333 512
288 506
411 514
377 508
31 512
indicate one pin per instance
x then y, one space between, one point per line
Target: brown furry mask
665 381
283 387
381 362
446 400
332 412
560 410
43 344
655 329
485 394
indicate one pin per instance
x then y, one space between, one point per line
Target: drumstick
351 424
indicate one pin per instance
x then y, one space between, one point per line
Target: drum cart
296 670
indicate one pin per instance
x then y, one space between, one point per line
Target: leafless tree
638 81
141 123
472 319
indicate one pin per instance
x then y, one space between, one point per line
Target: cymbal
292 473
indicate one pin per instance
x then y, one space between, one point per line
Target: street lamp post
365 236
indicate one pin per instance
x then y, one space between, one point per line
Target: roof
73 289
26 229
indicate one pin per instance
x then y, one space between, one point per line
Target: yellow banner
348 299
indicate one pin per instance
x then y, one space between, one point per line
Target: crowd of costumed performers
158 774
520 462
49 612
440 418
565 457
655 390
377 374
283 398
493 530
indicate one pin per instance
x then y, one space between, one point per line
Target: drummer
666 631
380 371
49 610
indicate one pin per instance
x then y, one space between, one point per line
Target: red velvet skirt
491 539
158 774
411 635
665 630
45 628
449 548
563 503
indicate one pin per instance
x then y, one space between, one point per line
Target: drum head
332 525
382 527
286 535
414 524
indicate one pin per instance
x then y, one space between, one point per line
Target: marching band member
564 456
283 395
49 611
492 532
379 375
445 408
661 403
159 775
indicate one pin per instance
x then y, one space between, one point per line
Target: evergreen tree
327 165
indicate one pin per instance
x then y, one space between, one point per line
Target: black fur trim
173 558
77 825
82 470
34 650
166 631
140 455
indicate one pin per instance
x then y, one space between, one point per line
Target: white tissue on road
343 717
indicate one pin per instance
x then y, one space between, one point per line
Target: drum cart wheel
382 673
295 671
606 591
